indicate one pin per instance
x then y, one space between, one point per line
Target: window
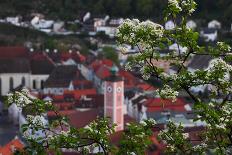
42 84
11 83
23 81
34 84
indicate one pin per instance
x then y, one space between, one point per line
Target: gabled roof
14 65
80 119
61 76
103 62
78 93
146 87
158 104
41 63
103 72
13 52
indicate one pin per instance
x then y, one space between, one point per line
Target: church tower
114 98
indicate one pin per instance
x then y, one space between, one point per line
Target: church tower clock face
119 89
109 89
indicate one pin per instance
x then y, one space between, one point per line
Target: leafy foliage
151 38
215 109
43 136
70 9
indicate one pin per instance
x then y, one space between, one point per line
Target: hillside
72 9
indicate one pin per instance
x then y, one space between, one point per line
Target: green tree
216 109
144 8
121 8
58 134
110 53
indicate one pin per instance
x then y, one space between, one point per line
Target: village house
191 25
14 20
109 27
209 34
61 79
169 25
214 24
42 24
19 67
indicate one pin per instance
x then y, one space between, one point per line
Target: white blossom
185 135
224 46
174 4
36 120
10 98
168 93
152 121
219 63
154 28
128 66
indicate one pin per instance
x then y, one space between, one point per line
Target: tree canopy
71 9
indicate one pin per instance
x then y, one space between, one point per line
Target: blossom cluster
168 93
134 32
174 4
19 98
177 6
36 120
188 6
223 46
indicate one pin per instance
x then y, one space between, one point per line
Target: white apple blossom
188 5
168 93
153 28
223 46
219 63
36 120
174 4
128 66
152 121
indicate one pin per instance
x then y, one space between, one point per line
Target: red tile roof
58 97
13 145
13 52
64 56
129 79
78 93
64 105
103 72
80 119
97 63
159 104
62 113
82 84
146 87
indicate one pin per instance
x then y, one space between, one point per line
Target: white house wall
38 79
17 80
